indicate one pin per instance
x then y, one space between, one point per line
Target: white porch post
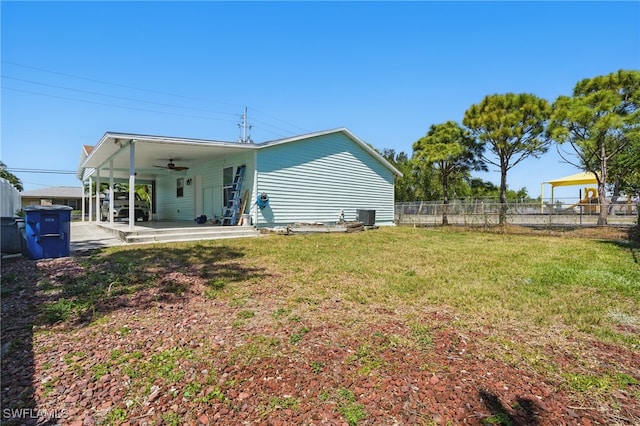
110 206
97 195
254 207
132 183
90 199
83 200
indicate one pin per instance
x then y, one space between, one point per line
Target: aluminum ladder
232 210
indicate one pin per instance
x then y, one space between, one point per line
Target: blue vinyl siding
313 180
169 207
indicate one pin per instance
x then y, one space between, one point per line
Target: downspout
542 198
132 183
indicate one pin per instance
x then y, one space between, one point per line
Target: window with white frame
180 187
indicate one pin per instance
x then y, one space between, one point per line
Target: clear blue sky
385 70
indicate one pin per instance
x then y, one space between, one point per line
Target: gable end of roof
342 130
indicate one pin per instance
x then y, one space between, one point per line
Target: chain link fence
487 213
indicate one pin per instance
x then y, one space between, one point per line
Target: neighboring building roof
54 192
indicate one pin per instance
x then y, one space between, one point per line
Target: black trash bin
47 231
10 235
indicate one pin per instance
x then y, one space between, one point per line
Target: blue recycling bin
47 231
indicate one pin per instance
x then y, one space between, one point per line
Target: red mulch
304 364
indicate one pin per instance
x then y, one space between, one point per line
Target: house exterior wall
168 205
314 179
173 208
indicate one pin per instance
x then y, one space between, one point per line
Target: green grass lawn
577 284
583 284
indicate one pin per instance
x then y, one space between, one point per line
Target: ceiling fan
171 166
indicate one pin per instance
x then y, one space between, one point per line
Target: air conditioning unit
367 217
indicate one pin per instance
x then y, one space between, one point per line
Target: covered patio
142 159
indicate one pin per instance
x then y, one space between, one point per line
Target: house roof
154 152
54 192
350 135
583 178
86 150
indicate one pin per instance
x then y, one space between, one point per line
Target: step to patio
165 235
189 234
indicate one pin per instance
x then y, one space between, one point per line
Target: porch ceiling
151 151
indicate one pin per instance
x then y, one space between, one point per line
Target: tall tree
483 189
487 190
452 152
627 168
623 174
404 186
10 177
600 121
427 187
511 126
417 182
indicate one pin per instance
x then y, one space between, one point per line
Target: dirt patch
186 352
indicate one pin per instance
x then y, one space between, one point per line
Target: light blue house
316 177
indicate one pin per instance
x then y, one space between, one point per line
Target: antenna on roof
243 125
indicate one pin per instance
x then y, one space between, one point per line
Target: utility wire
282 121
268 131
38 184
113 96
59 172
269 125
287 132
115 84
114 106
